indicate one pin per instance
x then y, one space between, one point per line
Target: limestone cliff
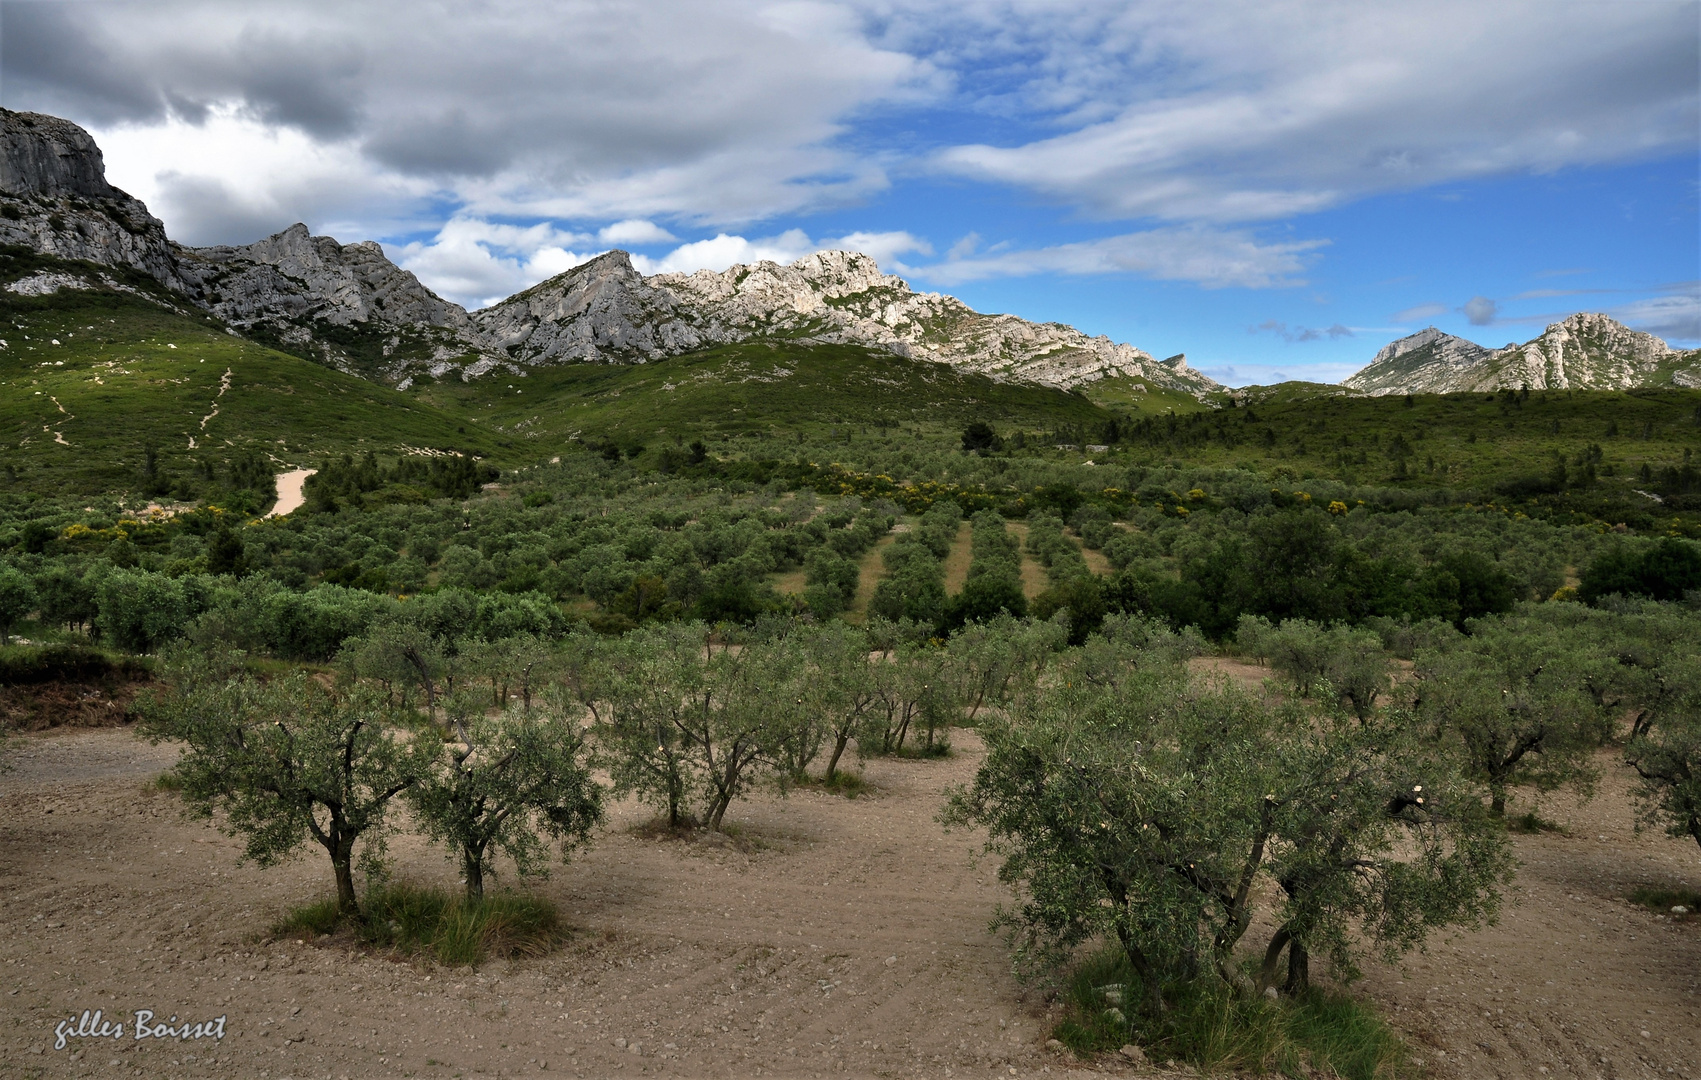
54 198
605 311
1586 351
347 303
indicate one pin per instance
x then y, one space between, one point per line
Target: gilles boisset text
91 1025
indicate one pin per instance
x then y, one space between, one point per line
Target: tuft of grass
941 748
1205 1025
843 782
1533 822
168 781
415 919
314 920
1663 900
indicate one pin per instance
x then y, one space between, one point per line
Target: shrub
1316 1033
1664 570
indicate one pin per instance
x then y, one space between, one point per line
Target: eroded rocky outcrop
54 198
605 311
347 303
1586 351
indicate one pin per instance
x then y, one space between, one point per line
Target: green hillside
758 387
95 377
1607 454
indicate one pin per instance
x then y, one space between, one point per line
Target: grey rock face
605 311
602 311
57 200
44 155
1419 363
1586 351
294 284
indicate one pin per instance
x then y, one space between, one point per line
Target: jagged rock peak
63 205
1411 343
45 155
604 311
1585 351
296 273
294 285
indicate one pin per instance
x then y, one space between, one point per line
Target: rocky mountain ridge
604 311
346 303
348 306
1585 351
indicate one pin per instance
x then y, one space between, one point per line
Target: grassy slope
756 387
115 385
1119 395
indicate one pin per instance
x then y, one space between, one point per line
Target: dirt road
290 494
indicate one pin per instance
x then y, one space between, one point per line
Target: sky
1275 188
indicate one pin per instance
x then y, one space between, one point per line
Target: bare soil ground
870 570
1097 563
1034 580
957 561
836 938
291 497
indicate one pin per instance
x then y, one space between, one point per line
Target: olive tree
288 761
742 710
512 782
1665 737
991 661
1157 811
1512 698
633 690
839 686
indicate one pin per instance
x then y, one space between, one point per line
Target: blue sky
1275 189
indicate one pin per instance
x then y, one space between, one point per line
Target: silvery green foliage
1348 661
288 761
686 715
1514 699
1127 798
514 783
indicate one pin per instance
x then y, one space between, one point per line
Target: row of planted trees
1129 796
493 744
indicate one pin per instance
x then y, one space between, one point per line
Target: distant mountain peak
1585 351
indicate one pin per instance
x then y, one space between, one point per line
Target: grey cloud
99 62
1236 112
710 114
221 215
1480 310
1296 334
1418 311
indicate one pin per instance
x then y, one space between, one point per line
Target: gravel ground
843 938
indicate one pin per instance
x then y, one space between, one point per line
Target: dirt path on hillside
290 494
853 943
957 560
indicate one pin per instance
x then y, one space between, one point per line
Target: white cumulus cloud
1211 257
